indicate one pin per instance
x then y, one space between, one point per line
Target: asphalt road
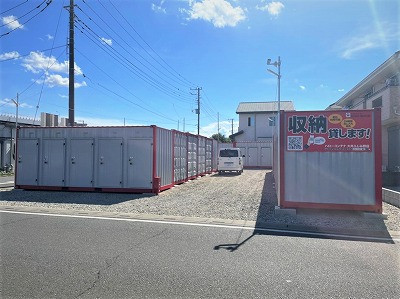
63 257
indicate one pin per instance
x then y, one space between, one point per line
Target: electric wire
165 84
25 55
96 38
21 25
48 63
122 86
166 66
153 69
18 5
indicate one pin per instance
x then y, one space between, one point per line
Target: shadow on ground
311 223
87 198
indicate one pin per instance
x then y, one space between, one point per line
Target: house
257 120
381 89
7 138
257 124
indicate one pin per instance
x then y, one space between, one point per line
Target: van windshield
228 153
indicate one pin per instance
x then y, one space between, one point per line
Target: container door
109 162
253 157
81 163
27 162
266 156
53 162
140 163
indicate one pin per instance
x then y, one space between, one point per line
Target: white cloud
11 22
302 87
225 128
60 81
158 8
106 41
369 39
37 62
24 105
9 55
49 37
273 8
341 90
9 102
219 12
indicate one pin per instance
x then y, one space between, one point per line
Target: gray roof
259 107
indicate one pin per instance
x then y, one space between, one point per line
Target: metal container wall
180 157
192 156
330 178
340 173
258 154
120 159
201 166
164 157
88 158
214 155
209 154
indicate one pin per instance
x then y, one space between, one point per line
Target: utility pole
218 127
16 126
183 125
198 108
231 119
71 111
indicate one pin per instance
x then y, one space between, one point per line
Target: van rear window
228 153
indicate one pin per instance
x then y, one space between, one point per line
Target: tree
221 138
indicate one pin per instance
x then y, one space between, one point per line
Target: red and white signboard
330 131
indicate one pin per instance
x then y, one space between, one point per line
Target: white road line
206 225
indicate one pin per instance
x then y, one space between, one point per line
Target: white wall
259 129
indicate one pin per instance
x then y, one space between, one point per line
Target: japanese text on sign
329 131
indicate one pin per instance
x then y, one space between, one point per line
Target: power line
122 86
20 56
21 25
153 67
18 5
166 65
96 39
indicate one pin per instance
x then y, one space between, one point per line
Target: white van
230 159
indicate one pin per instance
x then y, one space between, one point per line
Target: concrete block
284 211
370 215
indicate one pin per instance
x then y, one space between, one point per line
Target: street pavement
79 257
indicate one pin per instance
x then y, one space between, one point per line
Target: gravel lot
250 196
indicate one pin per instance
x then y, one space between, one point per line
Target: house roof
386 70
260 107
236 134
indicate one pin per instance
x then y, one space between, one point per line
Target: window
250 121
272 121
377 102
228 153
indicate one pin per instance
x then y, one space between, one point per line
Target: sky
143 62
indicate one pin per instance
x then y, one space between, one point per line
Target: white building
381 89
257 120
257 126
7 138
